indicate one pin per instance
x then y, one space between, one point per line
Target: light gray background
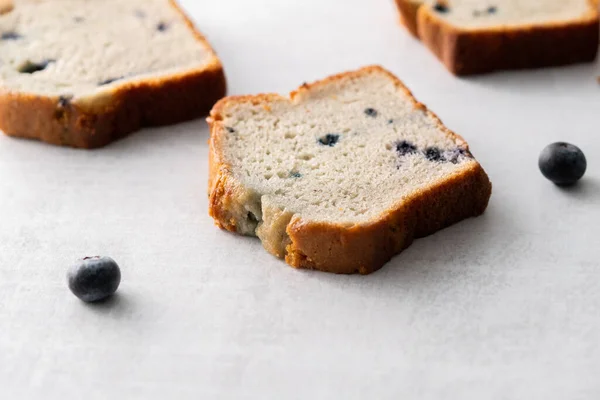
506 306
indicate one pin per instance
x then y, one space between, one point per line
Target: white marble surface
506 306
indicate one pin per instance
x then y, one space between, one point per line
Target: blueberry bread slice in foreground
83 73
342 175
479 36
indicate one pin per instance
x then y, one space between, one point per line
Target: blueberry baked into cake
479 36
83 73
342 175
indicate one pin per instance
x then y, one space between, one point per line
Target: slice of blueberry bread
83 73
342 175
479 36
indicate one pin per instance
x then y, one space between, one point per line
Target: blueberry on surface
562 163
94 278
161 27
329 140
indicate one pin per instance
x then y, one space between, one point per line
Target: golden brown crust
6 6
351 249
366 248
128 108
408 15
476 51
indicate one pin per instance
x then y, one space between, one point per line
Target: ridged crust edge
362 248
477 51
125 109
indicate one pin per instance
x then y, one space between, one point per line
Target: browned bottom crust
60 122
365 249
468 53
129 108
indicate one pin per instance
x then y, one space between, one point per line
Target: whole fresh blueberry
562 163
94 278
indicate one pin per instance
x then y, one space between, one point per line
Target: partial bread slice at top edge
6 6
408 14
473 36
84 73
342 175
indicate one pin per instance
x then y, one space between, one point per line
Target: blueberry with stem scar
94 278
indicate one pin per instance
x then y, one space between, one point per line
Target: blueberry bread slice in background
479 36
342 175
83 73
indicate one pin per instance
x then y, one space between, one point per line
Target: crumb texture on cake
510 13
342 154
80 47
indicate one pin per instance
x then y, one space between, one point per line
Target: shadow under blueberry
586 189
117 305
